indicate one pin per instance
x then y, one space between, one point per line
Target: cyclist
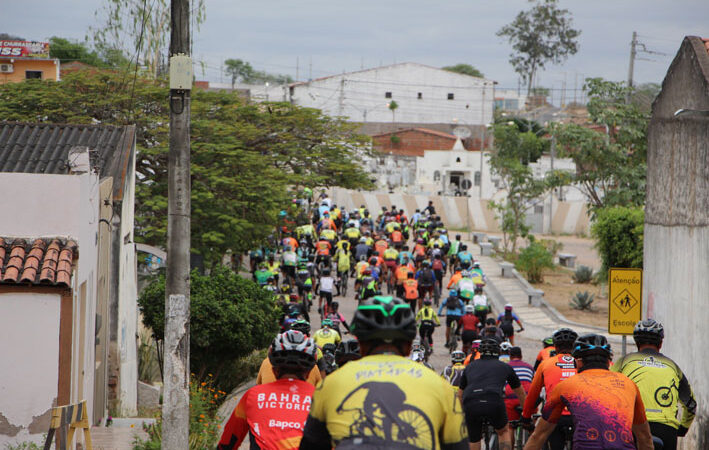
454 311
369 287
465 287
418 354
606 406
262 275
289 258
550 373
411 290
337 318
505 321
402 274
347 351
426 280
326 335
439 269
276 424
342 259
525 374
546 352
483 387
427 320
325 286
505 348
468 327
454 372
482 307
661 382
400 405
464 257
492 331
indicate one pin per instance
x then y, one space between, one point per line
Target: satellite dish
462 132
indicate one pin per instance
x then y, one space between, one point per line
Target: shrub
583 274
230 318
582 301
553 246
533 260
205 423
619 237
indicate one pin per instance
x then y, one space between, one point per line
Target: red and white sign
24 49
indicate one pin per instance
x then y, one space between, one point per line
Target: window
539 209
457 159
420 95
436 176
33 74
476 178
387 95
451 96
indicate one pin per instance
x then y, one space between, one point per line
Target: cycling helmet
327 323
648 331
564 338
292 350
591 345
384 318
347 351
476 344
548 341
427 301
466 274
476 265
505 347
489 347
301 325
469 308
508 307
457 357
363 240
453 293
334 305
326 271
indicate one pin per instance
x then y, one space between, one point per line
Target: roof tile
45 261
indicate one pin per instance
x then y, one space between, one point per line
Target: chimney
78 160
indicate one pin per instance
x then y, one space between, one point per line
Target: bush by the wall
618 232
533 260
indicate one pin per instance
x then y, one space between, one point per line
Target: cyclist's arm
440 308
236 428
534 390
643 436
315 435
435 317
540 435
689 404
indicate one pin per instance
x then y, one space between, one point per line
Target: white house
423 95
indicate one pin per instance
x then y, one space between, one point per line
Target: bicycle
428 349
343 279
520 436
453 337
490 440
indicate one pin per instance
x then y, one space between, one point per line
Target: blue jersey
465 256
454 311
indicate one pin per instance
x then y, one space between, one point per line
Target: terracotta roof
46 261
420 130
44 148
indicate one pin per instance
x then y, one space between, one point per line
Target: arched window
457 159
436 176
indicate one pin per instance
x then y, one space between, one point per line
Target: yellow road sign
625 300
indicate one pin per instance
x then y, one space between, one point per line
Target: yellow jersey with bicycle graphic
386 400
662 385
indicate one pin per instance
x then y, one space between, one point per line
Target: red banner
24 49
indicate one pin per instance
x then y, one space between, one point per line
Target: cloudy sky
334 36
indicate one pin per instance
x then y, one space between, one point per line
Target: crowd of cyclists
376 388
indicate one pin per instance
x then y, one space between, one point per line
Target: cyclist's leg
666 433
557 438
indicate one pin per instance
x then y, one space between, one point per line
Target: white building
509 100
424 95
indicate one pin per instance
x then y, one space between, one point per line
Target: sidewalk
538 321
119 436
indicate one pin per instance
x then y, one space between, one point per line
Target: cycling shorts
390 263
450 319
468 336
477 409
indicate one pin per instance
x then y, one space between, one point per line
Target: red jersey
545 353
549 373
605 406
323 248
468 322
396 236
380 246
274 413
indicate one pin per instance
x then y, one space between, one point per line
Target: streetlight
693 112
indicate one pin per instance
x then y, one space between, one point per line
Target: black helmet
457 356
489 347
648 331
564 338
334 305
292 350
301 325
347 351
591 345
384 318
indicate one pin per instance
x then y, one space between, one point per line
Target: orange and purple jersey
604 405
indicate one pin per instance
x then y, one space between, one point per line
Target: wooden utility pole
631 68
176 398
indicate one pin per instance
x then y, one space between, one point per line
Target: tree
245 157
392 105
230 317
618 231
542 35
66 51
138 28
10 37
465 69
533 259
242 70
513 150
610 166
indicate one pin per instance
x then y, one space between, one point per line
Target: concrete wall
29 330
360 96
676 248
48 67
45 205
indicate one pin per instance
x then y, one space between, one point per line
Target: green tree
245 156
610 166
243 71
513 151
393 106
541 35
533 259
618 231
465 69
66 50
230 317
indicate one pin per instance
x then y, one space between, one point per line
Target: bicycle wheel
413 427
493 442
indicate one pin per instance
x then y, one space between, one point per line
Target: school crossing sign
625 291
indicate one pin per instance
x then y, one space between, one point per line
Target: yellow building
22 60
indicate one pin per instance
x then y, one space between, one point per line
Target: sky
314 38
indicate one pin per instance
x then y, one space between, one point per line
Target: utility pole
297 68
631 64
176 399
341 100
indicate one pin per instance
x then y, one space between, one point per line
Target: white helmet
469 308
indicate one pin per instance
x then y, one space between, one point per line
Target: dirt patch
559 287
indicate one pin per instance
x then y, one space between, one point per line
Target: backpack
437 264
427 277
453 375
453 303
